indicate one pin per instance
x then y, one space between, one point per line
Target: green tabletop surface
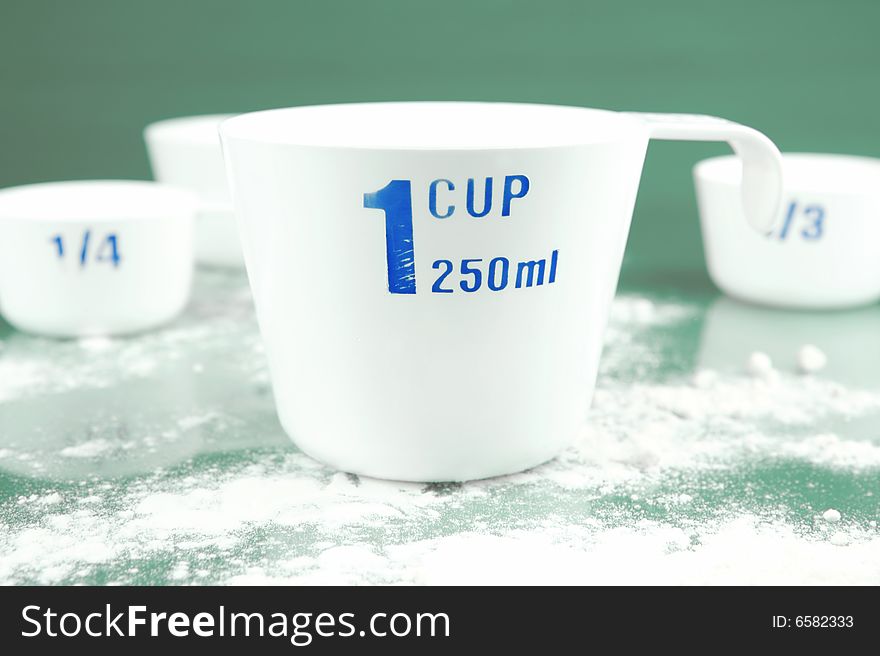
158 459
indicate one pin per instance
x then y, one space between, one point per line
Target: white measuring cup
101 257
825 250
432 280
185 152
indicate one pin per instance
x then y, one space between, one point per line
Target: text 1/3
89 248
813 220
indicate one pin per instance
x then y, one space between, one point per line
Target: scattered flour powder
811 359
831 515
683 475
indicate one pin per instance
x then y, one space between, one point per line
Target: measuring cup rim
817 172
415 125
195 130
95 201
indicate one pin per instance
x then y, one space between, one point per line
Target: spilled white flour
88 449
759 365
811 359
683 475
831 515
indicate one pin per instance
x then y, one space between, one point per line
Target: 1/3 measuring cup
825 252
432 280
94 257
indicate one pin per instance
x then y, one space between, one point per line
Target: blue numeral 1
59 243
395 199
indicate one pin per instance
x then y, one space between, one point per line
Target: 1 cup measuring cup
101 257
825 250
185 152
432 280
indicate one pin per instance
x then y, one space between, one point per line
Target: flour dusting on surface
683 474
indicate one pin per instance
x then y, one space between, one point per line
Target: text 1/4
89 248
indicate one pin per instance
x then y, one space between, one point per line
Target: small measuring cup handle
761 161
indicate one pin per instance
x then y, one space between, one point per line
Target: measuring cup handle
761 161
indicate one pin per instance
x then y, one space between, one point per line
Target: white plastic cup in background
185 152
824 251
432 280
101 257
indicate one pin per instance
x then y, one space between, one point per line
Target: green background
81 79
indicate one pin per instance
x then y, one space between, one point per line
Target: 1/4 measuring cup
432 280
100 257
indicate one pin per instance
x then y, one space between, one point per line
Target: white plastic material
761 166
94 257
185 152
824 251
418 324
